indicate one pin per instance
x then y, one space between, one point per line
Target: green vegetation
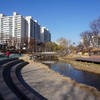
61 46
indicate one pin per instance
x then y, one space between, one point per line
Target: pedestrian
8 53
20 52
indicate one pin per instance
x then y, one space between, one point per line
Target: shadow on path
27 86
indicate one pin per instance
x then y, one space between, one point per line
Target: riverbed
80 76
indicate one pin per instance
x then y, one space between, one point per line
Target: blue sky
64 18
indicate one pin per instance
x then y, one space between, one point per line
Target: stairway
12 86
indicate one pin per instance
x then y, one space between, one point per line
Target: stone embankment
8 90
54 86
12 86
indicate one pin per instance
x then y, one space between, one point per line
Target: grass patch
85 66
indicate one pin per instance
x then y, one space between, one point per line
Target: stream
84 77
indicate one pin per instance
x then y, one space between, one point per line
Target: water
78 75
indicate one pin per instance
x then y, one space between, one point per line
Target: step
7 60
20 86
5 91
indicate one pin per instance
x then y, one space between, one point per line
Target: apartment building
37 31
45 35
12 28
17 30
6 27
31 28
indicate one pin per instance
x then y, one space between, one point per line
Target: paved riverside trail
54 86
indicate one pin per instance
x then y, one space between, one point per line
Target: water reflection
80 76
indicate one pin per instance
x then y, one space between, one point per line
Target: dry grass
79 65
90 67
86 88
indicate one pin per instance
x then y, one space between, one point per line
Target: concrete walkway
53 86
89 59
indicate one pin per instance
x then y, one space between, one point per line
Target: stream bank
84 66
54 86
80 76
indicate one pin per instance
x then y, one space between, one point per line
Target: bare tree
85 38
63 42
63 46
79 47
14 42
95 26
1 37
24 41
32 45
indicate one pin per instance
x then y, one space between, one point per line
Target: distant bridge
45 53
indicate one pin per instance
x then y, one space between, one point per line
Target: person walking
20 52
8 53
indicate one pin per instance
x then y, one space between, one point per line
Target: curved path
54 86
